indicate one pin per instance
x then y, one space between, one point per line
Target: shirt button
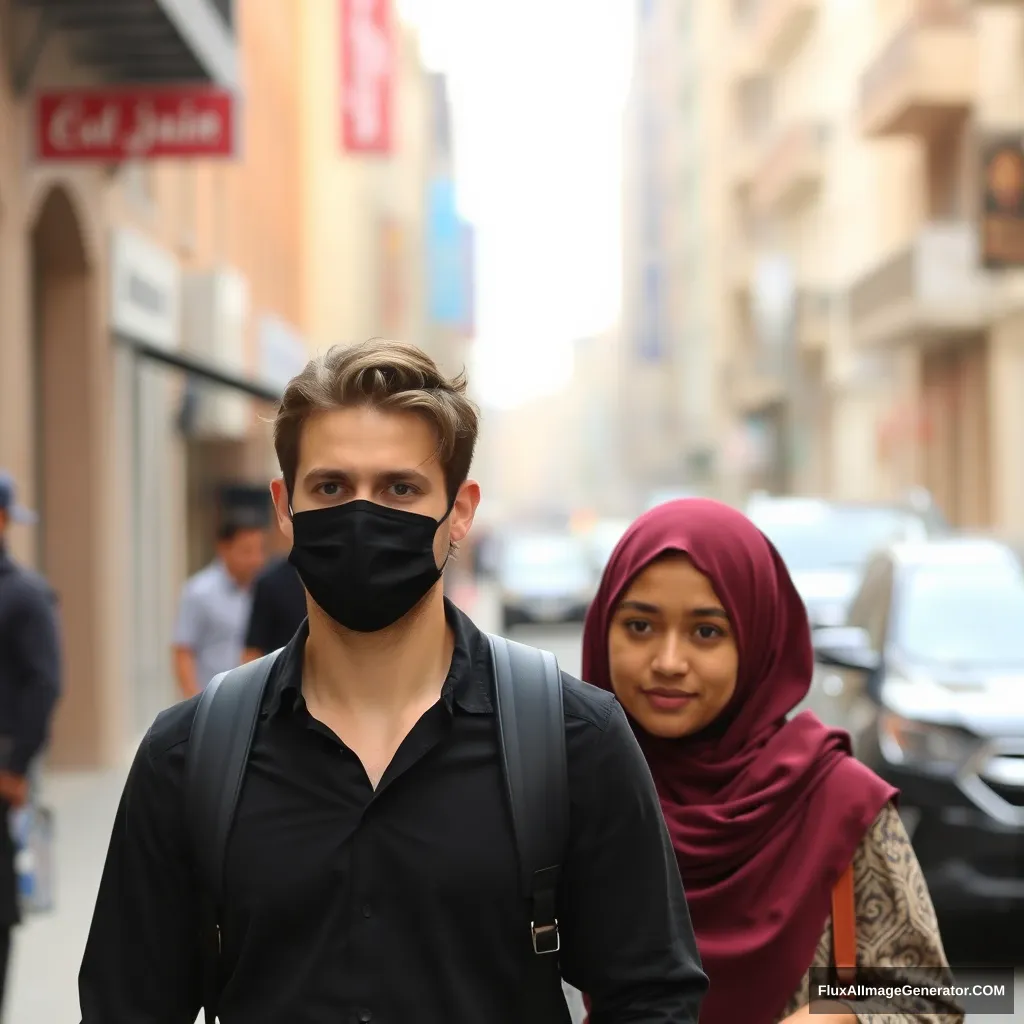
367 912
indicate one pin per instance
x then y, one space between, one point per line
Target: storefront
145 321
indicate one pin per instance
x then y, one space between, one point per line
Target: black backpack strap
219 744
531 730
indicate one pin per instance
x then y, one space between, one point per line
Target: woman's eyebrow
712 611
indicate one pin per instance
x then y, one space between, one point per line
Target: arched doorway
68 447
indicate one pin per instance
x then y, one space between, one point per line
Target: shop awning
146 41
207 371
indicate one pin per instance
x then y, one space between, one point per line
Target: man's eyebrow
327 473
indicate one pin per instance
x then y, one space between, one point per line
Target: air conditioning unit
215 318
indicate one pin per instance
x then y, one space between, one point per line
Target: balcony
133 41
925 78
791 168
933 290
778 28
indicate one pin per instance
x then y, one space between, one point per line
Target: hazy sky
537 88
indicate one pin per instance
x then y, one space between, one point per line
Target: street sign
111 125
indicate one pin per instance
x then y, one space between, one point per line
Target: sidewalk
48 948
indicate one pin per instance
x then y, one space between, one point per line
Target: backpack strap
219 744
531 731
844 926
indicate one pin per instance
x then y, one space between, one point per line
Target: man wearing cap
30 678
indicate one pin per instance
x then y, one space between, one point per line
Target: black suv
928 677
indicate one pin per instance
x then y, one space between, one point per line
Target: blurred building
149 310
377 186
561 453
649 355
858 218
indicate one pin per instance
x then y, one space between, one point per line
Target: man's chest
312 836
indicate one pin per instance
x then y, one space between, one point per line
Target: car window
817 537
527 559
971 615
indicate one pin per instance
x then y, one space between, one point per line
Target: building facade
371 210
149 310
860 275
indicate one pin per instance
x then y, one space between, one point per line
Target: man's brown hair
386 375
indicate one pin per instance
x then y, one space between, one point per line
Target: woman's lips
668 700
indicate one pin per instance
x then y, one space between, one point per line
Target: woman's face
672 651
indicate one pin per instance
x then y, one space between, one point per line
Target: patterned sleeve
897 928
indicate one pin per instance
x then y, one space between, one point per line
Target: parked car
825 544
544 578
601 539
928 677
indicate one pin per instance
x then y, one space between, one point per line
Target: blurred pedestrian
698 630
278 609
213 611
372 869
30 684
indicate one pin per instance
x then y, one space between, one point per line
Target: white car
544 578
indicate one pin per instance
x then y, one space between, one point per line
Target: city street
48 949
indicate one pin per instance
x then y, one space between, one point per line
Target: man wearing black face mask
371 873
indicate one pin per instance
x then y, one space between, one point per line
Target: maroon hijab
765 814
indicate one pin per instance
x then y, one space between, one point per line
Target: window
967 614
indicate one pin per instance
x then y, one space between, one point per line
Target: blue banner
446 268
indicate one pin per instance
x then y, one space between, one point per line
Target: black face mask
365 564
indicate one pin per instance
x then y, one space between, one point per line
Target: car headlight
922 745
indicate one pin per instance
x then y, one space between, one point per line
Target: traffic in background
919 637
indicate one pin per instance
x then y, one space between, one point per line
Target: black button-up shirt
399 905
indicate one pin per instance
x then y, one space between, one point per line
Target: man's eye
329 489
403 490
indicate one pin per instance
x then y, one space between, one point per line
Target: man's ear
279 493
467 500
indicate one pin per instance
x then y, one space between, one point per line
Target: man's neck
386 670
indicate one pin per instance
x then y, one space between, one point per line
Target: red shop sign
134 124
367 69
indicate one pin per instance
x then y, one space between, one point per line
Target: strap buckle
546 938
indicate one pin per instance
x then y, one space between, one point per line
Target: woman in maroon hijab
700 633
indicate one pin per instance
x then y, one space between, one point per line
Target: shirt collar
468 684
222 570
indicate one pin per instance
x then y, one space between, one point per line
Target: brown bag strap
844 925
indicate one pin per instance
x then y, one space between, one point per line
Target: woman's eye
638 626
707 632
